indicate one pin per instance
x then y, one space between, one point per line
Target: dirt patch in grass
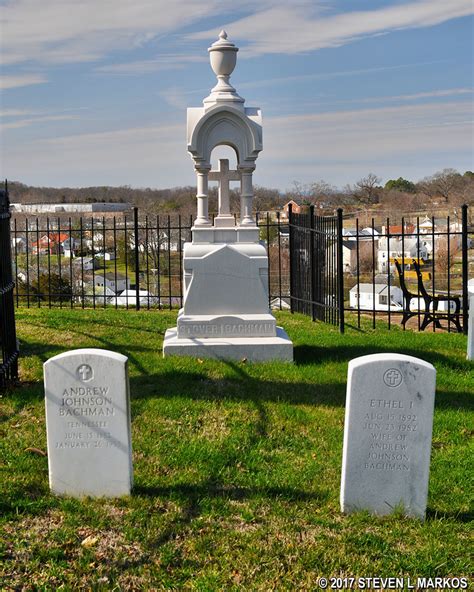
43 552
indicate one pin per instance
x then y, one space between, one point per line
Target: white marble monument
88 423
226 312
387 434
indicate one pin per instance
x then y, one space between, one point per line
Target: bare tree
444 184
444 257
367 188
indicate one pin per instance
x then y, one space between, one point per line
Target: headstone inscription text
88 423
387 434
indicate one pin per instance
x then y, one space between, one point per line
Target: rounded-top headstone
88 423
387 434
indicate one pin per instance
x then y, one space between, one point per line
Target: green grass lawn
237 467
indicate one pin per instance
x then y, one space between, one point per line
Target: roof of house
351 245
370 288
110 275
52 237
399 229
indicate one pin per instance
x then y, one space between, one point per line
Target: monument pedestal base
253 349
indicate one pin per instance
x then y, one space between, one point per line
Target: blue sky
94 92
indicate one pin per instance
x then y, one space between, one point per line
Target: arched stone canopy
225 125
224 121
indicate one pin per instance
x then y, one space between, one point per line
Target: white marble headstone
470 328
387 434
88 423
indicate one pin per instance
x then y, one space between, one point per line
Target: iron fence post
340 271
137 260
465 269
290 258
311 263
9 347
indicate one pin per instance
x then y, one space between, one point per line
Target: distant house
349 256
88 294
18 245
107 255
69 247
362 296
350 234
280 303
129 298
93 241
55 243
116 282
284 232
295 208
394 229
426 226
357 254
86 263
405 250
368 232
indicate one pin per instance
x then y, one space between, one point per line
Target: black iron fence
316 280
414 271
131 262
326 267
8 341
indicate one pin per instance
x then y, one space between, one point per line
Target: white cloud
144 156
407 140
449 92
432 94
66 31
15 112
343 146
298 29
174 96
333 74
164 62
35 120
7 82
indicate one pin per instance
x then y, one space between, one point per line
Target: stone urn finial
223 56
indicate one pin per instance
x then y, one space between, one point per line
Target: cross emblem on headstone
392 377
224 176
85 372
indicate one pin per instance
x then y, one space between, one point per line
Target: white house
94 240
129 298
362 296
116 282
89 294
18 244
406 250
350 234
350 252
85 263
107 255
349 255
70 246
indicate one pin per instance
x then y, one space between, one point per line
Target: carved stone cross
85 372
224 176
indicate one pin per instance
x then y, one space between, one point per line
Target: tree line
446 188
